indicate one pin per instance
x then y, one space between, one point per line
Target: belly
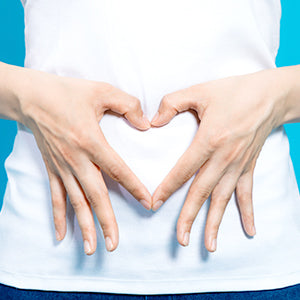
147 54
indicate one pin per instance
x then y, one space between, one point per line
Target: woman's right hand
64 114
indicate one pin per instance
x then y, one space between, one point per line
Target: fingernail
253 230
213 244
146 204
87 247
155 118
250 229
157 205
146 121
108 243
186 238
57 235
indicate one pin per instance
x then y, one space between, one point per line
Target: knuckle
77 204
87 229
186 175
82 139
248 216
221 197
107 224
183 174
200 194
135 191
167 100
67 155
79 138
185 223
115 172
219 138
164 191
203 194
57 202
133 104
213 141
168 103
91 145
235 154
93 198
244 196
214 227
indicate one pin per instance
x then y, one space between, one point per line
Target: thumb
128 106
135 115
172 104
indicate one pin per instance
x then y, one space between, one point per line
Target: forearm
11 80
289 82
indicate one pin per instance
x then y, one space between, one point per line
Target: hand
64 114
237 114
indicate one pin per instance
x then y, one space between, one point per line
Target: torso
148 49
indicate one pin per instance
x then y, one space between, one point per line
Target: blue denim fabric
288 293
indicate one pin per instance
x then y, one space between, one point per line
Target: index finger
103 155
187 165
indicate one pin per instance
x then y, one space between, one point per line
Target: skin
237 114
74 157
224 155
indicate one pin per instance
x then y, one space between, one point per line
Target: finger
127 105
96 193
219 199
200 189
193 158
104 156
174 103
245 201
59 206
82 210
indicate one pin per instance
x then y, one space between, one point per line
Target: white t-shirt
149 49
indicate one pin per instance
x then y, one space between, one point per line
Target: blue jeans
287 293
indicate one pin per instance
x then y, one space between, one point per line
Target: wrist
288 89
11 80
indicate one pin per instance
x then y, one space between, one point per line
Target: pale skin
236 115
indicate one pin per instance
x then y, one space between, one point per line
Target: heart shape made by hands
150 154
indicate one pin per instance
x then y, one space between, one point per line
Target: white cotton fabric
149 49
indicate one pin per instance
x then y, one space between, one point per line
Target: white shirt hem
148 287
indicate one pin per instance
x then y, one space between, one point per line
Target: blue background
12 51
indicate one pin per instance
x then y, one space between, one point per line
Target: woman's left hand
236 116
